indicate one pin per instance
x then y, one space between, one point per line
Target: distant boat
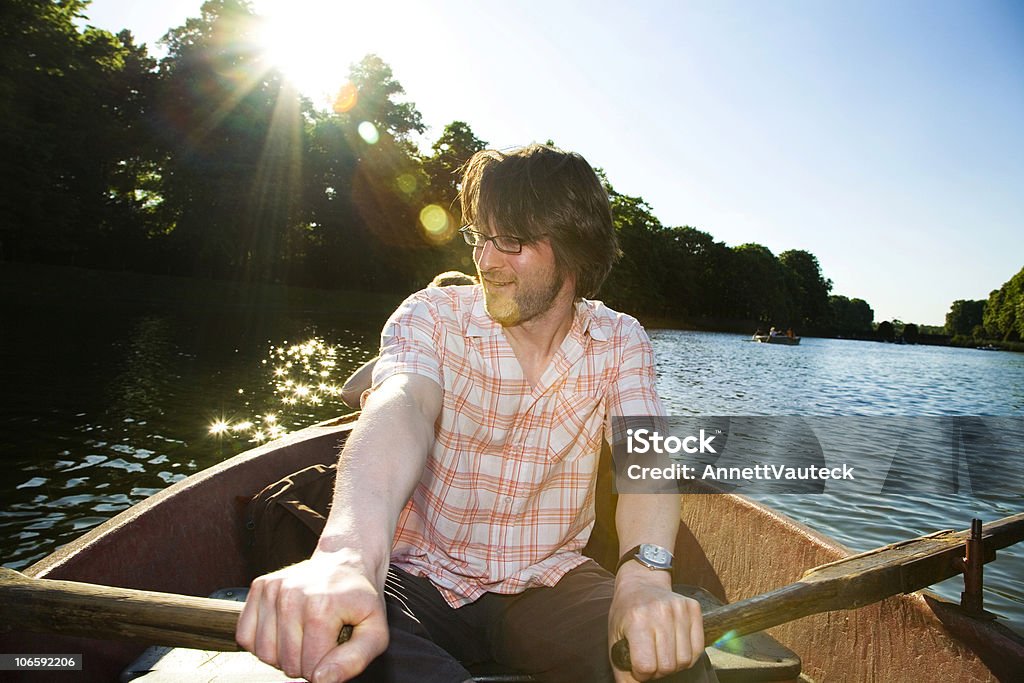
776 339
989 347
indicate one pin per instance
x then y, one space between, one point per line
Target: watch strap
630 555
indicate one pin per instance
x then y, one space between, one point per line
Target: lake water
113 398
721 374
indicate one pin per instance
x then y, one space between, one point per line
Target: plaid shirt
506 501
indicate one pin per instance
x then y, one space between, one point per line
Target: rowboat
776 339
190 539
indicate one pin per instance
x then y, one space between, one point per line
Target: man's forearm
378 470
647 518
664 630
292 617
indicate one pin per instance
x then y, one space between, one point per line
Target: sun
312 42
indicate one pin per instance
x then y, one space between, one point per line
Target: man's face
518 287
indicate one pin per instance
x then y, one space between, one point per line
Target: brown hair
539 191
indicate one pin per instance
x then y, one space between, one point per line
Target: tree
638 281
808 289
38 43
852 317
70 103
132 229
964 316
364 193
376 100
1004 311
233 144
452 150
886 331
756 286
438 195
698 272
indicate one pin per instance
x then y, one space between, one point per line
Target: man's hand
665 630
292 618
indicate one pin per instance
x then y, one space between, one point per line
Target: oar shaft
81 609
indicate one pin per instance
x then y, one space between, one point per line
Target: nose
486 256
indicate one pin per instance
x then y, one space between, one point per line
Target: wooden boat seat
750 659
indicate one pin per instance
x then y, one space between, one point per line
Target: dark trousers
557 634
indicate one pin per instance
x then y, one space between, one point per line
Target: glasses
503 243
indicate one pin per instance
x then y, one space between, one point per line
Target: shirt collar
586 322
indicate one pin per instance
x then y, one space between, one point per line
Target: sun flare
314 42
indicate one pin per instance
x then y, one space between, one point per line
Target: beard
530 299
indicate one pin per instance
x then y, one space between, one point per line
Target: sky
886 138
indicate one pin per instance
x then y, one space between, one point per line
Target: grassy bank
972 343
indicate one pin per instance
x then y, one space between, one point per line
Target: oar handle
715 626
620 656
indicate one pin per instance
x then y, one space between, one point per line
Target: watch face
655 555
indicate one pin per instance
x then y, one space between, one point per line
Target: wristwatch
649 555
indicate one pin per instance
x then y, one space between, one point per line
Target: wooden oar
82 609
93 611
853 582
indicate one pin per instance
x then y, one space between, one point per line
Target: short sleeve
633 393
410 342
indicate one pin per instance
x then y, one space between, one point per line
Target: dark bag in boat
285 519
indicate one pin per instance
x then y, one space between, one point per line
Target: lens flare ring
438 225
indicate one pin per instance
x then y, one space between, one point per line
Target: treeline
1000 318
208 163
683 273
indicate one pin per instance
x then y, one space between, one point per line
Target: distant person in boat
360 380
465 493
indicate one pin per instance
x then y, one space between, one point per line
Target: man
466 492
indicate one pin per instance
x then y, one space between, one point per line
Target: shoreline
48 284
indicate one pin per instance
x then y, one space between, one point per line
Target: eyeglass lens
505 243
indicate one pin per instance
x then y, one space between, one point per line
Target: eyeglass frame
467 231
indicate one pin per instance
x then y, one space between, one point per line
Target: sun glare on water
300 379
